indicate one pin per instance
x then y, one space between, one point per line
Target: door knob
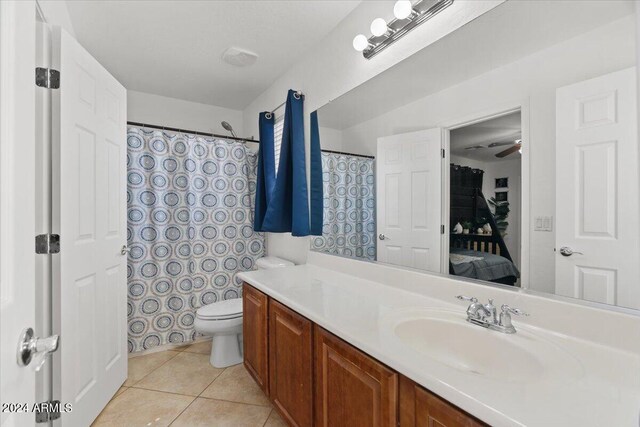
567 251
125 250
34 348
383 237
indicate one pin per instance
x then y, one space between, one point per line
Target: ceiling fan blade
500 144
509 150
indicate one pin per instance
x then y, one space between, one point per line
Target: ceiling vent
239 57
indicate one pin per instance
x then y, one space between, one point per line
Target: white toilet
223 321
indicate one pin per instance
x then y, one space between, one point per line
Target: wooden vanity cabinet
254 335
421 408
352 389
291 364
316 379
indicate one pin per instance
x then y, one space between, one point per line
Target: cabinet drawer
352 389
291 364
254 335
421 408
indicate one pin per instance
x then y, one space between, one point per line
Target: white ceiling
174 48
505 128
511 31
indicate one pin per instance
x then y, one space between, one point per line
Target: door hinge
47 78
47 243
47 411
442 229
443 153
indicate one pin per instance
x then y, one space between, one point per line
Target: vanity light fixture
360 42
379 27
402 9
407 17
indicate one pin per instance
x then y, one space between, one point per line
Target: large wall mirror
505 152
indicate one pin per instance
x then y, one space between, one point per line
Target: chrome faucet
485 315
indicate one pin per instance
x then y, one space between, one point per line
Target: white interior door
409 199
17 204
89 214
597 190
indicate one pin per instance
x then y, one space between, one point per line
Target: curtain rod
194 132
349 154
298 92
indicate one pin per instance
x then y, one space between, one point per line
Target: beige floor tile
120 390
201 347
218 413
182 347
275 420
236 385
187 373
136 407
140 366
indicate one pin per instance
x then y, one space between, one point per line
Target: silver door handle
383 237
125 250
567 251
34 348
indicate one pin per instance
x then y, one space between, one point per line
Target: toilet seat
221 310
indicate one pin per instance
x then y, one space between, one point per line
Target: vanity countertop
593 384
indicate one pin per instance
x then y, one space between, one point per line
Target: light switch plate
543 223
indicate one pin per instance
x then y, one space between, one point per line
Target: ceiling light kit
239 57
407 17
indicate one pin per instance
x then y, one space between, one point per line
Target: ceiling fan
515 146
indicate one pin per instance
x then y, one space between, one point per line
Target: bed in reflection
482 266
477 256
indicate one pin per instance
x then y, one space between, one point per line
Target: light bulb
360 42
378 27
402 9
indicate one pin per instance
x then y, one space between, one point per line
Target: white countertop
602 390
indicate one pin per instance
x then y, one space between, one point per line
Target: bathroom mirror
505 152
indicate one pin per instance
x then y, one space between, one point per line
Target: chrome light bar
422 12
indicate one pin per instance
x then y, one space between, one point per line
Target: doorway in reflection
485 200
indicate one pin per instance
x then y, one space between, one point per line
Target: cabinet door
352 389
254 331
420 408
291 364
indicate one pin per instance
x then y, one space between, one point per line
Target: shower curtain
190 215
349 206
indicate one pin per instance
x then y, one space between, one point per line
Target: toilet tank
269 262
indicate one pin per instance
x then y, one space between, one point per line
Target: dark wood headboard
476 242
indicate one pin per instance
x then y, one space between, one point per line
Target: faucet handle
466 298
511 310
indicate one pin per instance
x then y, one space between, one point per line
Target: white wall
532 80
512 170
330 139
333 67
55 12
178 113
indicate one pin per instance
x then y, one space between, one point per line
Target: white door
597 190
409 199
89 214
17 204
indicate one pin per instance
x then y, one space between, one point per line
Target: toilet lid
227 309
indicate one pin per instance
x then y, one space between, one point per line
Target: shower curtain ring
296 95
268 115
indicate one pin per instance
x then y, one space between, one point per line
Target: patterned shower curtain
349 207
190 215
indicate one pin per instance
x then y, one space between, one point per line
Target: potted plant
466 226
500 213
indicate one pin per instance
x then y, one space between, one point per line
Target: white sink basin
447 338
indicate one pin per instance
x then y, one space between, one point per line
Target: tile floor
180 388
